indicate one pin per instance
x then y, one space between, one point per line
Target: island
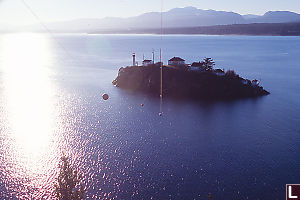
196 81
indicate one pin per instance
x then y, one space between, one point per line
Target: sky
13 12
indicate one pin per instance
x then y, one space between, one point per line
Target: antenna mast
153 56
161 64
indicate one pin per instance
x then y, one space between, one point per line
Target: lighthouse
133 59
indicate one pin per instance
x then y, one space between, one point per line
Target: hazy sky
13 12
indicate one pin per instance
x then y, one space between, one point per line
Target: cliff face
181 83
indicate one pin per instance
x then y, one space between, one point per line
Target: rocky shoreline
187 84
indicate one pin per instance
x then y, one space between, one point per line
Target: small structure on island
176 61
219 72
159 64
255 83
197 66
147 63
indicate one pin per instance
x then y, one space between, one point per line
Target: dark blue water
246 149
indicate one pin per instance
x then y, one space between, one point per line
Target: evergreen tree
209 64
69 186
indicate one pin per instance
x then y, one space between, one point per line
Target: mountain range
175 18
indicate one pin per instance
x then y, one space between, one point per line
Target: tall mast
161 64
153 56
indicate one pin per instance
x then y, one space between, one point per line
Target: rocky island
198 81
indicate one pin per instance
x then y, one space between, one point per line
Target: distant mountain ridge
255 29
175 18
279 17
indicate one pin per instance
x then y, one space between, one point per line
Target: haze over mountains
175 18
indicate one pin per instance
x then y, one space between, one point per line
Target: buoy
142 105
105 97
160 114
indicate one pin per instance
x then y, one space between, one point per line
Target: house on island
147 63
176 61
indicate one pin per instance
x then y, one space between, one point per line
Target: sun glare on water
28 105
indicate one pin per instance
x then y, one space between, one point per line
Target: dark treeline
272 29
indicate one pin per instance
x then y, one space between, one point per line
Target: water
51 103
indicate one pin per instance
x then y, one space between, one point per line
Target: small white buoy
105 97
160 114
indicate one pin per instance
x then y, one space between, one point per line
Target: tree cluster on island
207 64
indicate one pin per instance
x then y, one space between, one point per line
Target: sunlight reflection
28 89
28 93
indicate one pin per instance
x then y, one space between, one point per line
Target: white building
176 61
147 63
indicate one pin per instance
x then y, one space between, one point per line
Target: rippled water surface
50 104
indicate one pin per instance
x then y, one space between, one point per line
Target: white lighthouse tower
133 59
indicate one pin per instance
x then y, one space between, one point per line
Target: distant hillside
250 16
175 18
276 17
272 29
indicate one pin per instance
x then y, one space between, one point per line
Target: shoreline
187 84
